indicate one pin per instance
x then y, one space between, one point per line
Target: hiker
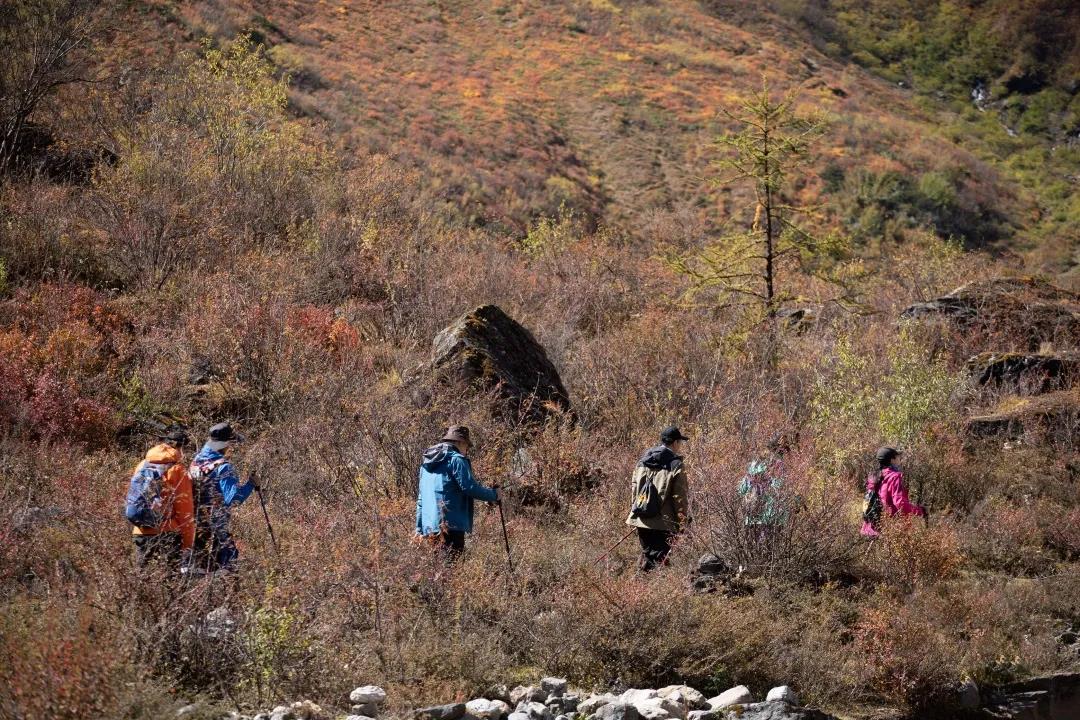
218 490
159 504
448 489
761 489
886 492
660 507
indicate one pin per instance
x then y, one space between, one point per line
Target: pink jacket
894 494
894 498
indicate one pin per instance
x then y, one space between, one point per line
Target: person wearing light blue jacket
448 489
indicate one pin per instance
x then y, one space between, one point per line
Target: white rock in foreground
487 709
738 695
368 695
782 694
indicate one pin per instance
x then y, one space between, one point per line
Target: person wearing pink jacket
886 492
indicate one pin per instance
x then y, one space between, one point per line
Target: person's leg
225 552
655 545
453 544
163 548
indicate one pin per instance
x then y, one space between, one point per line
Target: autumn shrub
911 555
1006 536
58 662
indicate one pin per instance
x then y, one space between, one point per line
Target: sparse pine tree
746 267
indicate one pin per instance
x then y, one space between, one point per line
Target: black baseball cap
671 434
223 432
886 453
175 435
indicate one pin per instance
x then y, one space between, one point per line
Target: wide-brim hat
457 433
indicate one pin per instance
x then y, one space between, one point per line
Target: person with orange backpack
159 504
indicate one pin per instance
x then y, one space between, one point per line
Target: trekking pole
266 515
620 542
506 537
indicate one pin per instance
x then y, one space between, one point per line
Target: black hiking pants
655 546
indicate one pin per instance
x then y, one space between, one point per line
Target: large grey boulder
489 349
635 696
738 695
535 710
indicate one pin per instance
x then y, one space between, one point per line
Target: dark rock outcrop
1029 373
486 347
1028 311
1055 697
1054 417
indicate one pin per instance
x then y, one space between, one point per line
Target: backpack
143 506
872 505
647 502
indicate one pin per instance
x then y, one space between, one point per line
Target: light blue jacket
447 491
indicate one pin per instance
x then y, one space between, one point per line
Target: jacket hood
660 457
163 454
438 453
207 454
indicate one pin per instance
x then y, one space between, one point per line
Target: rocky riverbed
554 699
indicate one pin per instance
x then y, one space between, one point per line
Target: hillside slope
513 110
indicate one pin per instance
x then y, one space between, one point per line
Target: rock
660 709
1030 310
1024 373
782 694
686 696
358 717
569 702
488 348
702 715
487 709
453 711
1040 419
527 693
281 712
635 696
518 716
591 704
498 692
1051 696
369 709
535 710
774 711
617 710
800 320
368 694
219 624
188 710
554 687
738 695
967 695
710 564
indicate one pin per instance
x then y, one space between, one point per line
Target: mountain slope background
265 211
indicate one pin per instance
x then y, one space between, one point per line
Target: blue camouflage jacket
217 488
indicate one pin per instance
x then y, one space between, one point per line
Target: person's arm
462 472
680 495
900 499
232 492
